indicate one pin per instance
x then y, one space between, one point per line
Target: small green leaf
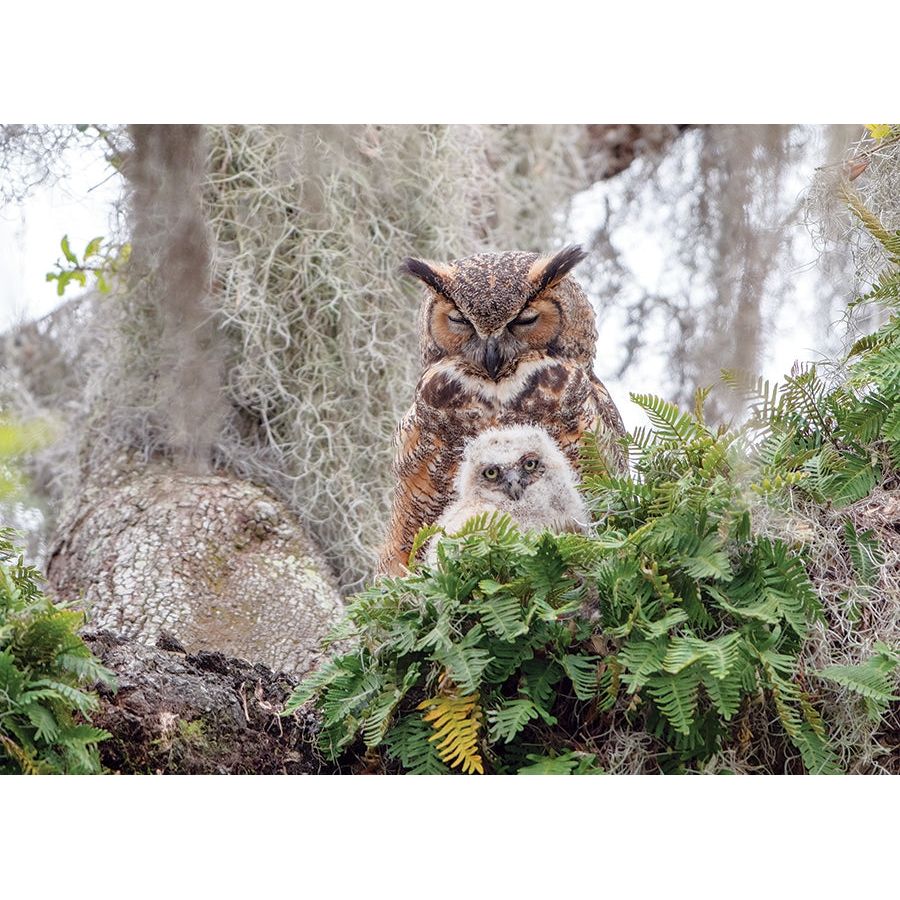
69 255
93 248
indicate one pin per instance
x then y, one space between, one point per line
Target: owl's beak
492 357
512 487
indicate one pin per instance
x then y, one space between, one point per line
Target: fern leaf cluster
44 668
872 680
495 646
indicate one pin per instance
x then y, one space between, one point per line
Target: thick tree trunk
214 560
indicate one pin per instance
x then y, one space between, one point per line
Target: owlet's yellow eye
491 473
529 465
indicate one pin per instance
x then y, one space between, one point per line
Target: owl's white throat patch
500 392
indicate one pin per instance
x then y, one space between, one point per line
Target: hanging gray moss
309 226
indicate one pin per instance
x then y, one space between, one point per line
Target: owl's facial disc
492 349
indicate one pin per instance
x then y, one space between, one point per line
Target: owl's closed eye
491 321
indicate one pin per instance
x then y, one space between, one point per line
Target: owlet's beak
512 485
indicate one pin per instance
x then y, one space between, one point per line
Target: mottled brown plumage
507 338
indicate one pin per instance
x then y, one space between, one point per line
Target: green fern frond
83 734
569 763
423 536
818 756
853 481
501 614
670 422
718 656
886 292
676 697
408 742
465 661
872 680
507 659
640 660
375 723
584 673
539 678
708 559
43 720
87 669
593 462
311 686
344 705
867 418
865 553
766 406
510 719
724 693
865 344
891 428
660 627
79 699
787 583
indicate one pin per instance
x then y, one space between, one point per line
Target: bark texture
213 560
197 714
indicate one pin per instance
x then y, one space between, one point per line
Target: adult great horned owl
506 338
518 470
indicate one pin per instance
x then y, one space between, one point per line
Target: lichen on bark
215 561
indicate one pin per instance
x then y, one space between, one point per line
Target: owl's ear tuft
550 270
431 273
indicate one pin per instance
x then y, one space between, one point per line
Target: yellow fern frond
456 722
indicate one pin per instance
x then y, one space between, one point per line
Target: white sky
80 206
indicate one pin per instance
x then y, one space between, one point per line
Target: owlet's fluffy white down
518 470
